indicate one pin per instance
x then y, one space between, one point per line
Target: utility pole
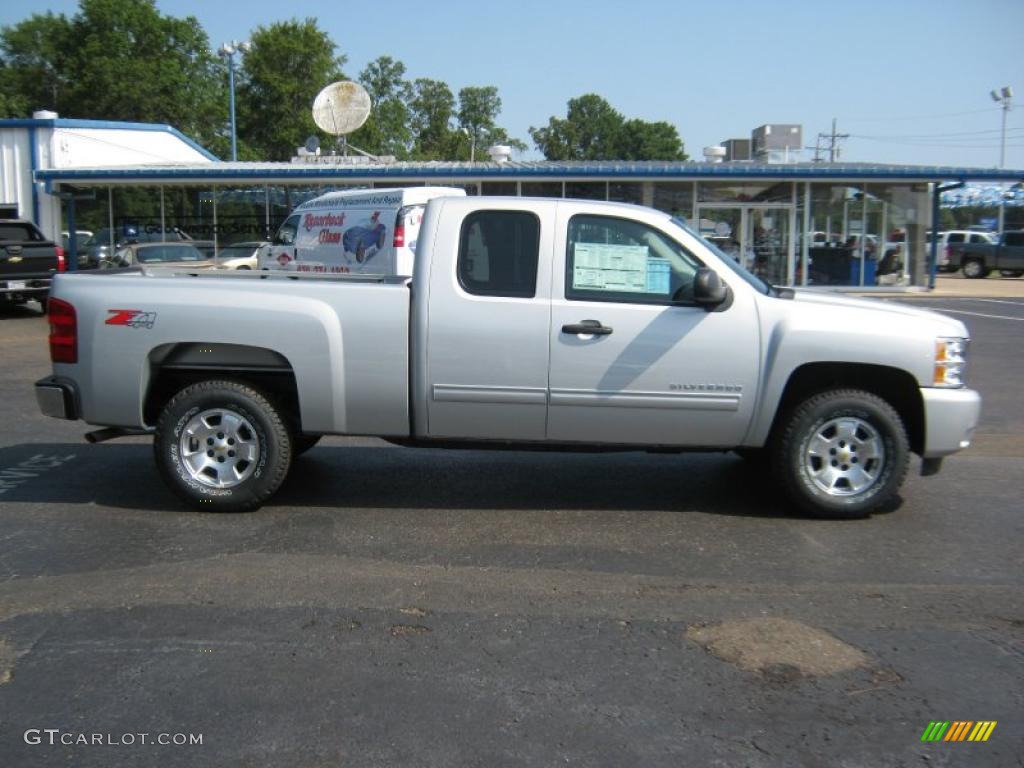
833 142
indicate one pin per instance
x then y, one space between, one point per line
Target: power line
917 117
935 135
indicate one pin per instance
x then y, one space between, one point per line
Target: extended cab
528 323
28 262
978 259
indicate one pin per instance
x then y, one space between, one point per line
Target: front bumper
950 417
58 398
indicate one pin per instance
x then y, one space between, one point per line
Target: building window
542 189
586 190
503 188
674 198
498 253
626 192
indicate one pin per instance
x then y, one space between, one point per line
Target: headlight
950 362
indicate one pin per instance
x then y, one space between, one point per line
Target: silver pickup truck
528 323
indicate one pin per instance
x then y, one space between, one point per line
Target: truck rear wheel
222 446
974 268
842 454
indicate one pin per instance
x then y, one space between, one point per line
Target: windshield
756 282
165 253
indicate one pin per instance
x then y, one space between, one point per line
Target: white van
361 231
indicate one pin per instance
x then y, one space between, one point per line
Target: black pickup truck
978 259
28 262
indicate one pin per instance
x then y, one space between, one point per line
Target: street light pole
1003 98
228 51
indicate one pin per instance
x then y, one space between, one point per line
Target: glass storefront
813 233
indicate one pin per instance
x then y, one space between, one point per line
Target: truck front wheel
974 268
222 446
842 453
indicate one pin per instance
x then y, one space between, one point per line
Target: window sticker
659 276
603 267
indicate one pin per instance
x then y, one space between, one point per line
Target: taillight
399 234
63 332
62 265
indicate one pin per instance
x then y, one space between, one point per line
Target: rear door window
498 252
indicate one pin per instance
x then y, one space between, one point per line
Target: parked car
957 237
28 261
978 259
208 247
81 238
240 255
159 255
97 248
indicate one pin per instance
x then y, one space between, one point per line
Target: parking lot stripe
979 314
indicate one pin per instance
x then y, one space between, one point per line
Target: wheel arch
172 367
897 387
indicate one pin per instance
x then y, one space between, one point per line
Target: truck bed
348 380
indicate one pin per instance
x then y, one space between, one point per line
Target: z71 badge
133 318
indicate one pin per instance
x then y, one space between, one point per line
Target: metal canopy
321 172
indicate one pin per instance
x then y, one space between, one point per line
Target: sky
908 80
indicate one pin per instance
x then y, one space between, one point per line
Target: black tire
302 443
262 430
865 482
44 304
974 269
245 267
360 252
1010 272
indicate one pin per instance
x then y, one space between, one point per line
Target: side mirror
708 289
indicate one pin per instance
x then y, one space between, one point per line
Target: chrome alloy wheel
845 456
219 448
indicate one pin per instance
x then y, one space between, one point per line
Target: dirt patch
7 659
777 648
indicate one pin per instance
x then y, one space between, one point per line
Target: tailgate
27 261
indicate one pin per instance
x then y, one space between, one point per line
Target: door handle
589 327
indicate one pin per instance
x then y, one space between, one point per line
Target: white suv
959 236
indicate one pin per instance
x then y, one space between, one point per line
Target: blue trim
538 170
33 167
108 125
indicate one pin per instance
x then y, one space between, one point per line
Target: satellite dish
341 107
312 145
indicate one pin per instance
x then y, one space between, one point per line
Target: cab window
612 259
498 253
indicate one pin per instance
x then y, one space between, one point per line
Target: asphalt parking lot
431 608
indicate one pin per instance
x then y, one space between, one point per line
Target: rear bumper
57 398
950 417
12 288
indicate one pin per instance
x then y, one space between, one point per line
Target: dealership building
794 223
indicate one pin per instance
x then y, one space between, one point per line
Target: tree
33 64
289 63
432 107
387 130
479 107
116 60
593 130
641 140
